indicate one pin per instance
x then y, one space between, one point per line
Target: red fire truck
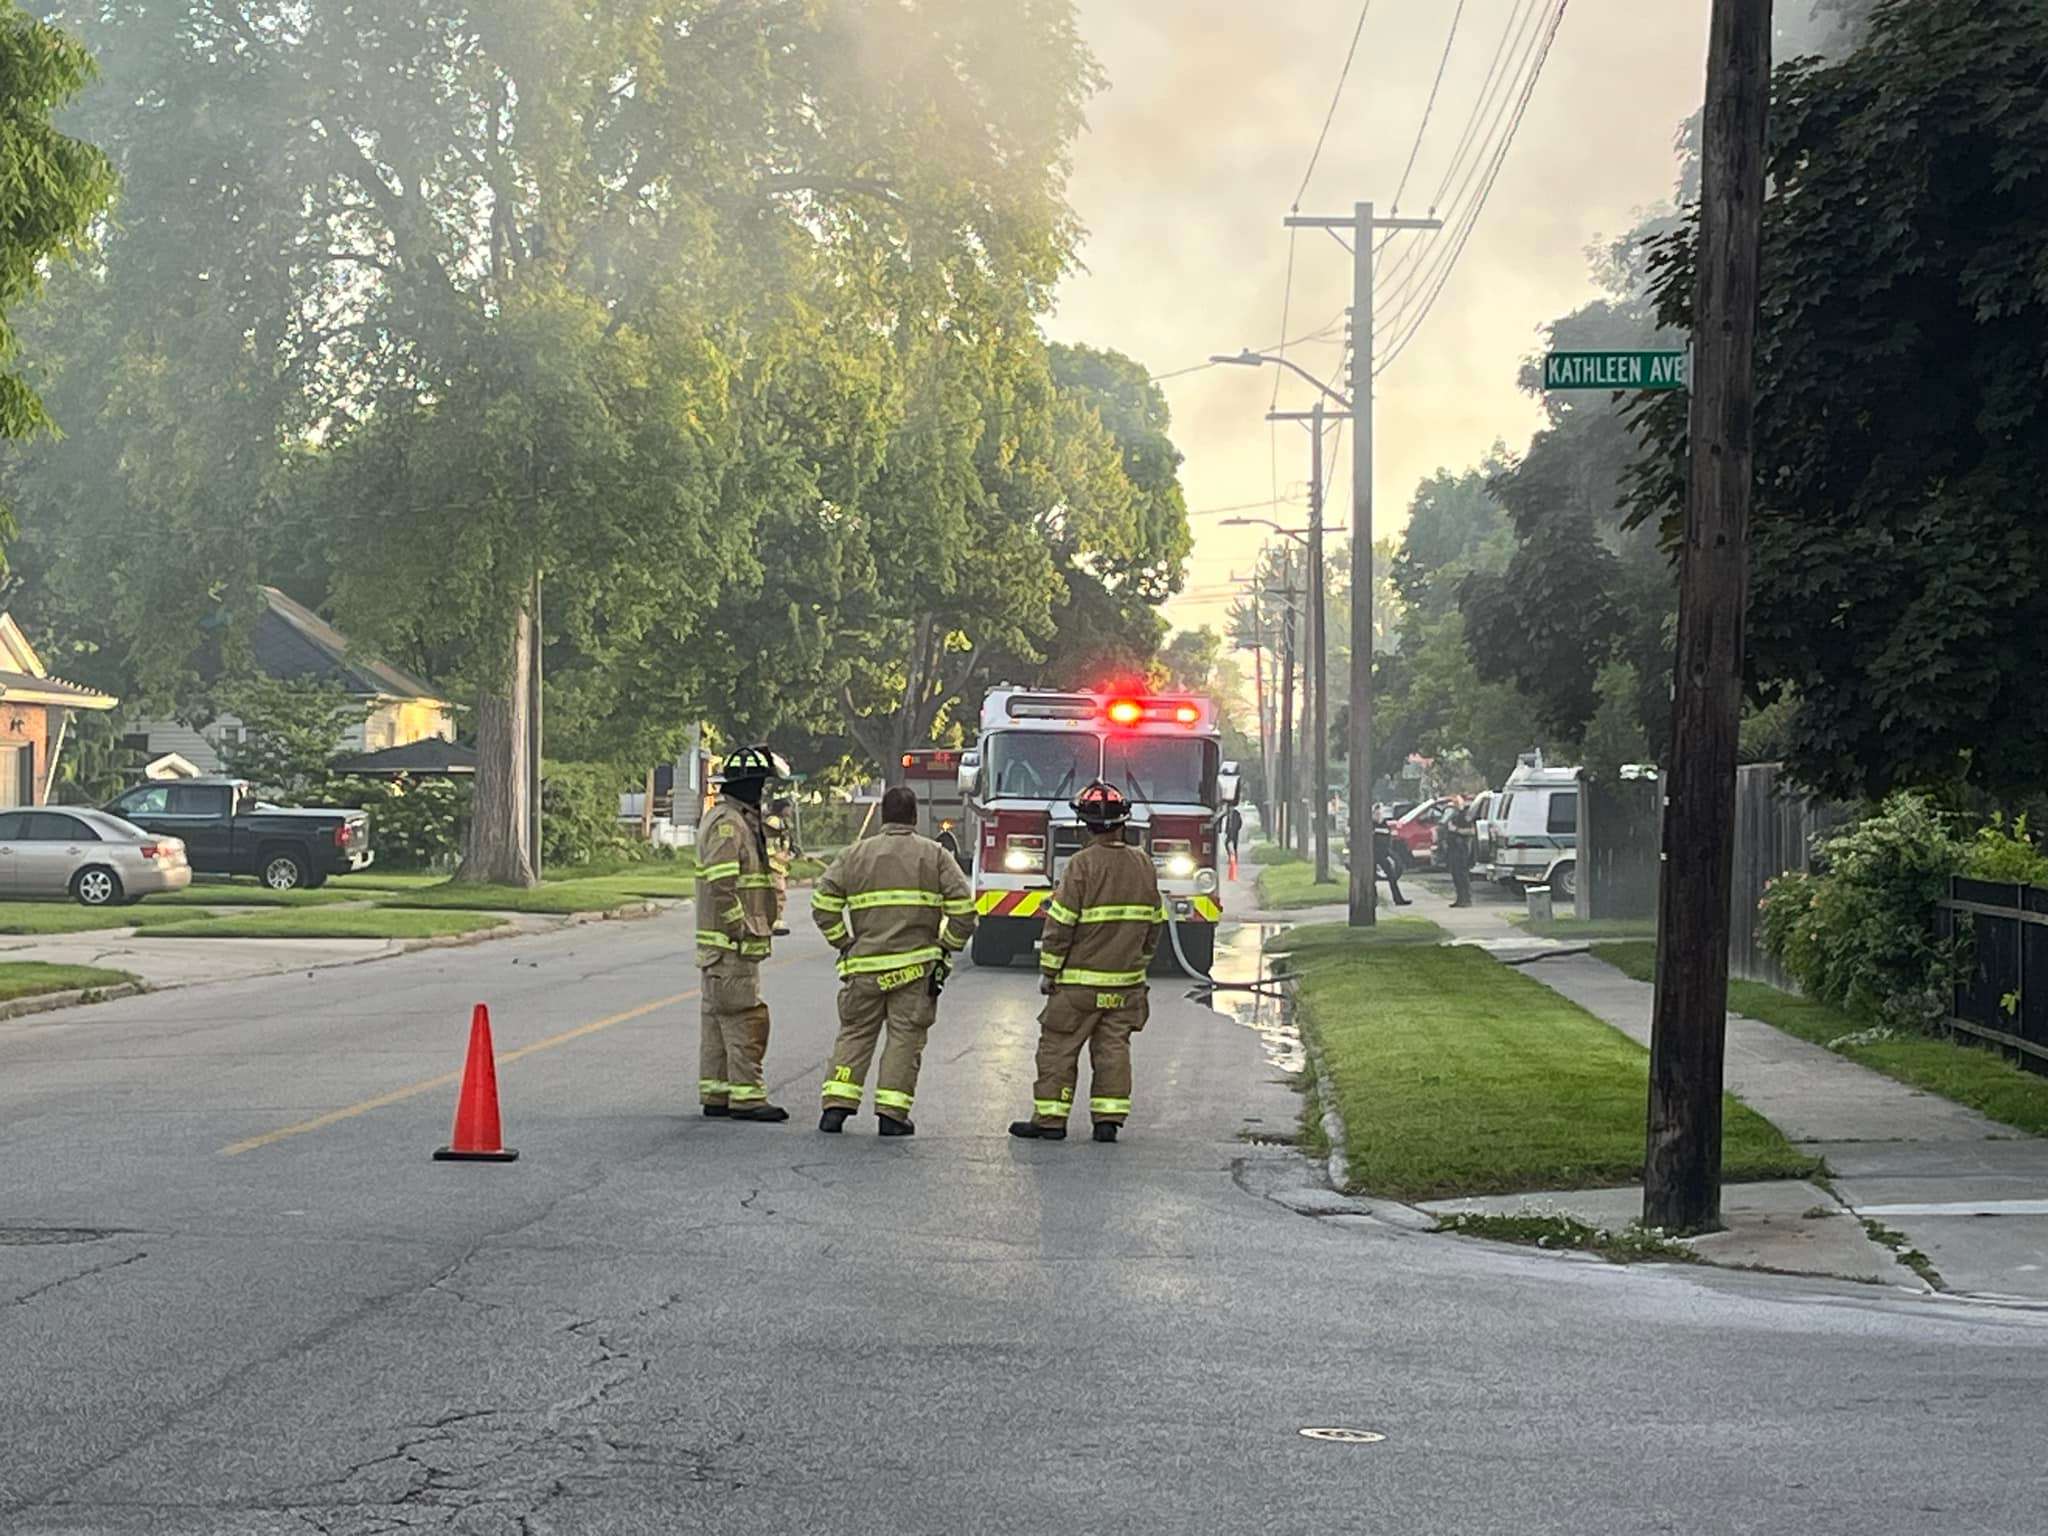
1036 750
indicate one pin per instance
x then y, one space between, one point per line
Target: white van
1534 828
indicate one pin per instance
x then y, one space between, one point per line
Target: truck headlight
1023 854
1175 857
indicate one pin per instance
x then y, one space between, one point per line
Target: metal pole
1320 656
1363 891
533 733
1265 735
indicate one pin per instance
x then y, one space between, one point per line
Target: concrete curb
631 913
84 997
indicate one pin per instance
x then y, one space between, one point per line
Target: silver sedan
96 859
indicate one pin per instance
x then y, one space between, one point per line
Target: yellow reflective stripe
1102 978
712 939
712 1085
1109 1106
723 871
834 1089
741 1093
960 906
892 1099
1060 912
1208 909
1051 1108
836 934
755 949
1048 961
1120 915
1032 901
951 942
865 965
736 912
865 899
823 902
985 903
757 882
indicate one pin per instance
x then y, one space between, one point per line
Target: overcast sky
1195 152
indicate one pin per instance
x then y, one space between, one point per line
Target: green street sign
1614 370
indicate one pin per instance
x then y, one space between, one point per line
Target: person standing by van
1457 835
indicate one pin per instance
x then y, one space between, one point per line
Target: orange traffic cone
1233 866
477 1137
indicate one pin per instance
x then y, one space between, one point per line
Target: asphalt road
280 1315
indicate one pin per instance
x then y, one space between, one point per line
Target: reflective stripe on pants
732 1033
1071 1019
866 1013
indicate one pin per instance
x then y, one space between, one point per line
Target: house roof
25 680
430 757
292 643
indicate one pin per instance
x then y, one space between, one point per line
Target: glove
1046 983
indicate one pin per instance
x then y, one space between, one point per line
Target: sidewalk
1969 1193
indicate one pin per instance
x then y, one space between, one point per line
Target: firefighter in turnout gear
735 927
897 908
1101 928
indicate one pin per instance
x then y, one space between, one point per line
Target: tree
1899 589
602 303
51 188
290 731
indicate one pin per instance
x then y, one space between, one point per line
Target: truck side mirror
970 773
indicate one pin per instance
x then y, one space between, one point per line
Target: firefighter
735 927
782 850
897 908
1100 930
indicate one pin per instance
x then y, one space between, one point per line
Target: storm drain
30 1237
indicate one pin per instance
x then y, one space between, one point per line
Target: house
35 714
291 643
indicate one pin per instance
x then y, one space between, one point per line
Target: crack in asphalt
84 1274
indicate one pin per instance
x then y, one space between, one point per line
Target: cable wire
1429 106
1336 98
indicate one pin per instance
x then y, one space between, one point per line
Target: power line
1429 106
1336 97
1457 249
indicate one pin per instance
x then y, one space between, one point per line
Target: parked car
1482 832
1415 833
1536 830
227 830
96 859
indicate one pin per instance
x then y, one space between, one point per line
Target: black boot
831 1121
767 1114
1105 1130
1031 1130
716 1111
889 1127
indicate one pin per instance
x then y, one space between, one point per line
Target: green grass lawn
18 917
678 866
1967 1073
314 923
32 978
1312 939
1272 853
1597 928
558 897
375 880
1456 1075
1285 887
247 893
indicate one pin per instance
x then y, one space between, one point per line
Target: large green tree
1899 563
51 186
615 303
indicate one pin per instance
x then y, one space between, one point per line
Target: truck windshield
1163 770
1041 765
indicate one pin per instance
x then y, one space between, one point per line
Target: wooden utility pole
1285 833
1319 639
1682 1164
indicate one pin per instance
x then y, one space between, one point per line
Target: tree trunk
498 847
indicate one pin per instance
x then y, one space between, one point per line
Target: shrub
1860 935
414 824
2006 855
580 813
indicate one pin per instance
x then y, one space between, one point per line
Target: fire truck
933 775
1036 751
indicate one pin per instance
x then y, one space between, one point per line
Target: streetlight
1250 359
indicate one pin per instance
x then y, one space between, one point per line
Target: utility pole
1286 830
1688 1029
1319 638
1364 227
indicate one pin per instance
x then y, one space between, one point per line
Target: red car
1415 833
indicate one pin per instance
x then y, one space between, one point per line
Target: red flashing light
1187 714
1126 712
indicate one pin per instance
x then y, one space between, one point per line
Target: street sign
1614 370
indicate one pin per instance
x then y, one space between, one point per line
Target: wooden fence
2007 929
1621 840
1775 829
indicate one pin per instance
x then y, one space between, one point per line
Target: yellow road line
447 1079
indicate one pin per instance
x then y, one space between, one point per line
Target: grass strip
1287 887
375 880
1306 939
348 923
1273 853
1456 1075
247 893
1587 931
43 917
1970 1074
33 978
558 897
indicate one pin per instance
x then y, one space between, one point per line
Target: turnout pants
734 1034
1102 1021
866 1013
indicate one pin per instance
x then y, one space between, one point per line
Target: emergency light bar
1051 706
1153 712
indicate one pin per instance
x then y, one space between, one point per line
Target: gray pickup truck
227 830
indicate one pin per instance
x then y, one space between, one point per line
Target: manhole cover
1344 1436
23 1237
